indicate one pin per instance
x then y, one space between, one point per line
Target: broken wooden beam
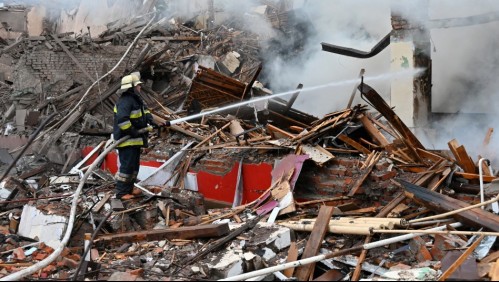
488 136
383 108
474 176
440 203
315 241
354 144
191 232
292 255
373 131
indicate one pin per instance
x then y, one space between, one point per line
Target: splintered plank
315 241
102 202
354 144
373 131
402 155
467 162
488 136
384 127
491 257
430 155
441 203
292 256
383 108
279 133
474 176
445 174
190 232
453 144
462 157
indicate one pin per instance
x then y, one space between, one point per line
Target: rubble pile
355 191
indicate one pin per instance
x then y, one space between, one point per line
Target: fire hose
44 263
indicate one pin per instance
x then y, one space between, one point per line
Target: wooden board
354 144
365 174
373 131
461 259
440 203
453 144
314 242
474 176
191 232
102 202
292 256
494 272
466 161
491 257
488 136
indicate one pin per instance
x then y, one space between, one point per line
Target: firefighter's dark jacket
131 115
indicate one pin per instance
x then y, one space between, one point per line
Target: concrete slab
5 157
230 264
42 227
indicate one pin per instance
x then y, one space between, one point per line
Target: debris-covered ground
355 189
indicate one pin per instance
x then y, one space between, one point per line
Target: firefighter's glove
167 123
133 132
154 125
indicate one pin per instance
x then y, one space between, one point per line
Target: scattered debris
241 191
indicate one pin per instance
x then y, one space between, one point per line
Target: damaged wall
96 14
13 23
53 71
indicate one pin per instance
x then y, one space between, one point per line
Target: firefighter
130 116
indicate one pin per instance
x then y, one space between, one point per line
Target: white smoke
464 59
463 67
345 23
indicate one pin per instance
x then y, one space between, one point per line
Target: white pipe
405 237
482 194
310 260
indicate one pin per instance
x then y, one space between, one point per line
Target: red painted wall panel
214 185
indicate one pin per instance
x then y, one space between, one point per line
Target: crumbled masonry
233 192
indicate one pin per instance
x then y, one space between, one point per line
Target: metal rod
89 246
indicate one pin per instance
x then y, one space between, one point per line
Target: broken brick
418 248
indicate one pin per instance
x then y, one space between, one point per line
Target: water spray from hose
405 73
